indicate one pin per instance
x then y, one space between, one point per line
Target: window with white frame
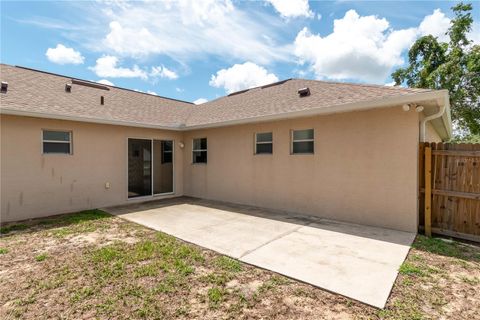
59 142
199 150
302 141
167 151
264 143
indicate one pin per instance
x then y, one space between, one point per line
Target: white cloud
292 8
189 29
179 89
365 48
358 48
105 81
106 66
242 76
435 24
200 101
474 35
163 72
390 84
48 23
64 55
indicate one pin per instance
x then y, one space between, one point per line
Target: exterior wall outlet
107 185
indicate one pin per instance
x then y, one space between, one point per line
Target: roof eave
349 107
447 117
441 96
14 112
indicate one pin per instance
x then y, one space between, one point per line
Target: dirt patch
100 239
79 268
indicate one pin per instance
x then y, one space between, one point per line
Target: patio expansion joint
272 240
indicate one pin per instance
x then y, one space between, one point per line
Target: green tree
454 66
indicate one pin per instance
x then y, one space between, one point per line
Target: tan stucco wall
364 169
35 185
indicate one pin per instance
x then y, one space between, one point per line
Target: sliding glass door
150 167
139 168
162 166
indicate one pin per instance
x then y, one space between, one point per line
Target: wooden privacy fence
450 189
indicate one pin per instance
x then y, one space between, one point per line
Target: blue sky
204 49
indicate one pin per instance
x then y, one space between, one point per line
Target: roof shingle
40 92
283 98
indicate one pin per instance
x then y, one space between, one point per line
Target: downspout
429 118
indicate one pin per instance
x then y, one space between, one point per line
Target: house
338 150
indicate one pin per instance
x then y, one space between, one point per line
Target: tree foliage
454 66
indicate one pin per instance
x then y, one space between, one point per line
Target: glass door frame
152 195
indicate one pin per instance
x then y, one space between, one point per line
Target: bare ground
93 265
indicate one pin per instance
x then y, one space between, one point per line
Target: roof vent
274 84
4 86
304 92
68 87
90 84
238 92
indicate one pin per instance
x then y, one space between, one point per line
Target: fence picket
455 189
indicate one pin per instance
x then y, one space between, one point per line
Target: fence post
428 191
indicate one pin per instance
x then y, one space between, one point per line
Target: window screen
199 150
57 142
167 151
302 141
264 143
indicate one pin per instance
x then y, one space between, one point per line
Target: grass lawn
93 265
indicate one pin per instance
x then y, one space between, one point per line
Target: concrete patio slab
356 261
341 261
224 231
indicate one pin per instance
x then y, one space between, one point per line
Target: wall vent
102 100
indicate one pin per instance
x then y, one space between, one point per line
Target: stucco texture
35 185
364 169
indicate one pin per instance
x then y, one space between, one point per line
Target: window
199 150
167 151
302 141
57 142
264 143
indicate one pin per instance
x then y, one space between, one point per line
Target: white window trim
199 150
69 142
301 140
263 142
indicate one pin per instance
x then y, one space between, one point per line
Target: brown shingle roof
283 98
41 92
32 91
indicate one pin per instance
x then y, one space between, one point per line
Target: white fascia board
447 117
84 119
349 107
